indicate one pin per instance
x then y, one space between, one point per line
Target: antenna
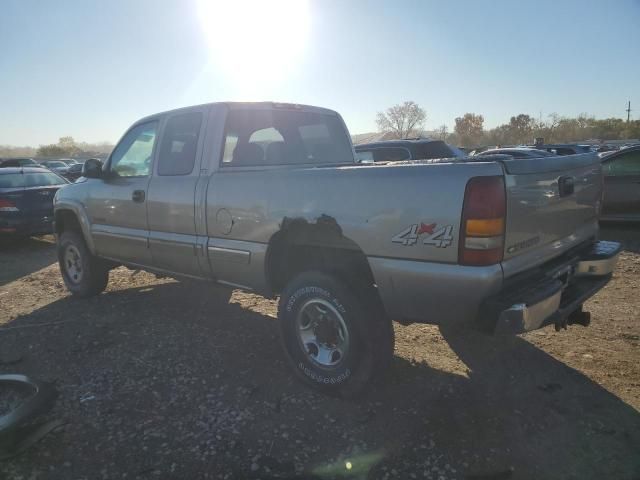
628 110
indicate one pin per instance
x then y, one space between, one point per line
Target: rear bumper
550 298
26 226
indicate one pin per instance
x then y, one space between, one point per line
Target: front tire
84 274
332 337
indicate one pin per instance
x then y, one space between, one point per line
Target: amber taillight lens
483 221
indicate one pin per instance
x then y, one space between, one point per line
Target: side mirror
92 168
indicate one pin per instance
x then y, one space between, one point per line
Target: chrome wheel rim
322 333
73 264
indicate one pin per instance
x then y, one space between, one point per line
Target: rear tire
334 339
84 274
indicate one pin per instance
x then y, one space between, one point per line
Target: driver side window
132 156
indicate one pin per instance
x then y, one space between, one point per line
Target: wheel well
301 246
66 220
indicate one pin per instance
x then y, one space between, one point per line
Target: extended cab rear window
179 144
284 137
26 180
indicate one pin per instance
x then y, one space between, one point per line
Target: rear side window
20 180
386 154
12 180
284 137
364 156
563 151
43 179
626 164
179 144
516 153
436 149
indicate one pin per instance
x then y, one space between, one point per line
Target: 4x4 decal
440 237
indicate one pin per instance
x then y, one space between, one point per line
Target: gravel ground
164 379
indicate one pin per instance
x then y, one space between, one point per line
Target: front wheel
84 274
333 338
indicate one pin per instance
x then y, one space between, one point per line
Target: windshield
55 164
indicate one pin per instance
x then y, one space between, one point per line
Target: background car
56 166
400 150
621 200
74 172
26 200
68 161
517 152
18 162
563 149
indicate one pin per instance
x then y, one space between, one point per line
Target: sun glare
252 40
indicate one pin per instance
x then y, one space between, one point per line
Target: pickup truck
269 198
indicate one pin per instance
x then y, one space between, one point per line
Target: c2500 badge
431 234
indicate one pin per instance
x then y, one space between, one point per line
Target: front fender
77 209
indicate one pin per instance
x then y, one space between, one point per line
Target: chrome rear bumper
550 300
601 260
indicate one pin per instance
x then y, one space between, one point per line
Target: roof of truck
253 105
398 142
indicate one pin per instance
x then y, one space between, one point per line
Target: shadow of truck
155 377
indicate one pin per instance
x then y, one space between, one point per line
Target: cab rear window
284 137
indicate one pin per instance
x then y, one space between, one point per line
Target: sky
89 69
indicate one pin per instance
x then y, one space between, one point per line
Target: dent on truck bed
301 245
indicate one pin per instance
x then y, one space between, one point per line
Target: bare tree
443 132
403 120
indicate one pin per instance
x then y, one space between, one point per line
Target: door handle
138 196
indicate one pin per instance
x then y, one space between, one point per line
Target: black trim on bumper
550 297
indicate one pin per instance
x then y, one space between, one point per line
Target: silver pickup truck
267 197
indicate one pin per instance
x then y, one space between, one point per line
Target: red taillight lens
7 206
483 221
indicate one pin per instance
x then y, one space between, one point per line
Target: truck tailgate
550 200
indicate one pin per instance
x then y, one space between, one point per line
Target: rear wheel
333 338
84 274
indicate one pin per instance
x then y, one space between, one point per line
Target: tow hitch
577 317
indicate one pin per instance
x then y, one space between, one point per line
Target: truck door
171 211
117 205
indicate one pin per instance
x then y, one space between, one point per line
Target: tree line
407 120
66 147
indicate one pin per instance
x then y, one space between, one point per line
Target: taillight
483 222
7 206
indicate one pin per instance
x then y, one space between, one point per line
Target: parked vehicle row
269 198
65 167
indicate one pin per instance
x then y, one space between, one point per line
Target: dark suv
399 150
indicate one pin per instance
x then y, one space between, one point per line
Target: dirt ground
163 379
